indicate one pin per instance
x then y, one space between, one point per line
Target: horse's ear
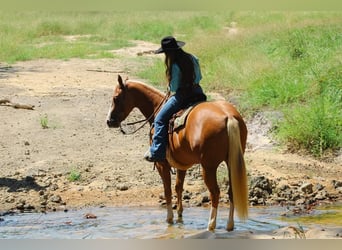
121 83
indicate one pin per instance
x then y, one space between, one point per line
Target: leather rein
146 120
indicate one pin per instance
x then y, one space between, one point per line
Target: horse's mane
145 87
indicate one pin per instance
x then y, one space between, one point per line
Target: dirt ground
39 165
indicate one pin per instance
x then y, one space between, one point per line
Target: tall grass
30 35
286 61
316 124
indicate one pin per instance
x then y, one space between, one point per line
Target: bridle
147 120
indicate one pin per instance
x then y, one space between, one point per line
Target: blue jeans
161 122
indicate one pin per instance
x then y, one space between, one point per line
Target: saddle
178 119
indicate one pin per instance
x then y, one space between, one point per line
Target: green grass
285 61
74 175
30 35
44 121
325 216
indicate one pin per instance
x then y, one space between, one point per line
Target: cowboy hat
169 43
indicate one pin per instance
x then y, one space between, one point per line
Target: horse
214 132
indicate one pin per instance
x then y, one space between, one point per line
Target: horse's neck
147 99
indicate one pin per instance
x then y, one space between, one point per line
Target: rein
145 121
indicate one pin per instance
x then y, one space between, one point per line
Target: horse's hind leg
179 190
210 180
230 222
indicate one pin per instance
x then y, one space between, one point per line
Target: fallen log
6 102
107 71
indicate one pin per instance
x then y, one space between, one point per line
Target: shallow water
129 223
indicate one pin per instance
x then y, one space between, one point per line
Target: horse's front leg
164 172
179 190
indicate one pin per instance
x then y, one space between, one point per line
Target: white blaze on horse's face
109 111
118 109
114 115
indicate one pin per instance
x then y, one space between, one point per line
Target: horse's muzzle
113 123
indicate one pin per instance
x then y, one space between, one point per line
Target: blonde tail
237 168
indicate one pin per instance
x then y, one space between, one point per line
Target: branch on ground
6 102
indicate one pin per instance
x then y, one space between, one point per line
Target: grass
324 216
48 33
285 61
44 121
74 175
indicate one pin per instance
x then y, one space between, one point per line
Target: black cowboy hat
169 43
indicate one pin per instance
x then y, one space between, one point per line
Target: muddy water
130 223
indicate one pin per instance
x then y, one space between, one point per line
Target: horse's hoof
169 221
211 228
230 226
180 220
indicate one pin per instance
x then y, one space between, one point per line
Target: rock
260 190
190 183
198 203
20 205
123 187
261 201
187 196
53 187
321 195
283 187
90 216
319 187
253 199
306 188
295 196
261 182
10 199
280 199
205 198
337 184
56 199
300 202
28 207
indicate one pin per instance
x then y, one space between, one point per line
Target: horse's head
120 107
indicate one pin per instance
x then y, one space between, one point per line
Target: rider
183 74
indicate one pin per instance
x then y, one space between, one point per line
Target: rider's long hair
184 61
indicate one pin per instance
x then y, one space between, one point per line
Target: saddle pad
180 120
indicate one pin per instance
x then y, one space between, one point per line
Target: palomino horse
214 132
